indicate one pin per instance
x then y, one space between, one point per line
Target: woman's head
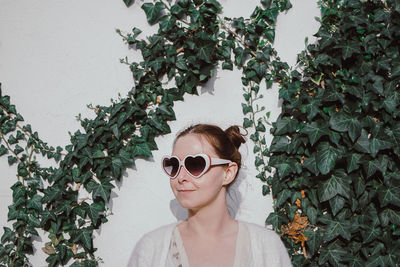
213 141
225 143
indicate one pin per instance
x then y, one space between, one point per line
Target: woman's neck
212 220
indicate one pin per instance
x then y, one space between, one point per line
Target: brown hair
225 143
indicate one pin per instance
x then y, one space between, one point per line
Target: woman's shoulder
267 246
159 233
151 247
260 231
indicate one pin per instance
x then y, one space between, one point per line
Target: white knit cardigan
267 248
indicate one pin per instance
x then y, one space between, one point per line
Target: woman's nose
182 175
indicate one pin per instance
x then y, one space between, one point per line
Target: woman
204 162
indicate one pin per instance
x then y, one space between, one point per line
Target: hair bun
235 136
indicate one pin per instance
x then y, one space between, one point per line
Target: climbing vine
336 142
192 41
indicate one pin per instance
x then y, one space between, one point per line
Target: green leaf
311 164
314 131
376 144
153 11
103 189
3 150
326 157
93 210
204 53
336 203
314 240
8 235
85 236
356 262
337 228
35 203
333 253
98 154
312 214
276 219
284 195
128 2
389 195
284 169
370 233
247 123
353 161
344 123
349 49
389 215
227 65
337 184
265 190
141 150
285 125
240 56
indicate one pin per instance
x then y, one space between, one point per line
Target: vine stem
26 132
8 146
236 35
254 125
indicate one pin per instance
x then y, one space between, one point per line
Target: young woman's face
194 193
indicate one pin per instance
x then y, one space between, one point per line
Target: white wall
58 56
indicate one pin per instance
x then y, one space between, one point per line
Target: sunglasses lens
171 166
195 165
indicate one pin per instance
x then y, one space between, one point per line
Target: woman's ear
230 173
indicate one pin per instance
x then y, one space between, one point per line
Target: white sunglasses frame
209 162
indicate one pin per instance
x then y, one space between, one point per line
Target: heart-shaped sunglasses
195 165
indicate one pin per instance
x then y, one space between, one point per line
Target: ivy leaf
204 53
333 253
227 65
85 235
240 56
3 150
314 131
128 2
349 49
389 215
35 203
359 185
376 144
141 150
343 123
103 189
285 125
153 11
370 233
326 158
335 185
353 161
336 203
8 235
311 164
389 195
93 210
276 219
314 240
98 154
284 169
282 197
312 214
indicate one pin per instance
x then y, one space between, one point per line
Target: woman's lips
185 191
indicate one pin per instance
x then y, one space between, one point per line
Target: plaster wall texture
59 56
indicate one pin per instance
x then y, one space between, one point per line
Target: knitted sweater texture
267 248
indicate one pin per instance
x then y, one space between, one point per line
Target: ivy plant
336 143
